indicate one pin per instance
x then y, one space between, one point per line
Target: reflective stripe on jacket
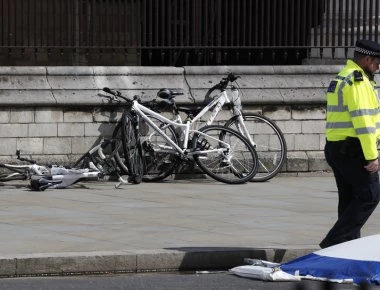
353 109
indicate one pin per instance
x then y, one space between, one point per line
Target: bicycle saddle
169 93
164 104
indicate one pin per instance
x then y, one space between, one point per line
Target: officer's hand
372 166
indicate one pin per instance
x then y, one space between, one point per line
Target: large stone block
8 266
297 161
56 263
22 70
71 129
290 141
24 82
30 145
13 130
75 116
42 130
107 115
48 115
5 115
290 127
69 97
69 70
99 129
309 113
304 95
8 146
313 127
57 145
317 161
306 142
71 82
26 98
83 144
24 115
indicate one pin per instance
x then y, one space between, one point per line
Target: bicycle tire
132 147
158 164
236 167
119 154
269 142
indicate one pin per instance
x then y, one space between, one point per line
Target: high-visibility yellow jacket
353 109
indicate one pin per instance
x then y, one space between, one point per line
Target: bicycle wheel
132 147
158 163
160 159
269 142
234 165
118 148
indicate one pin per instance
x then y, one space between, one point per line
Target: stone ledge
260 85
264 70
138 261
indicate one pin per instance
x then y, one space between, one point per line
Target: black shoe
324 244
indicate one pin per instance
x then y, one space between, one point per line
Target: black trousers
358 190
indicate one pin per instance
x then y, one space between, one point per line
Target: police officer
352 130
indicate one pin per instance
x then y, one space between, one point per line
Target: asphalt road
164 281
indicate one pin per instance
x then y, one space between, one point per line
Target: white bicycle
262 133
93 165
221 152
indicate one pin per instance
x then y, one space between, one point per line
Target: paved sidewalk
184 224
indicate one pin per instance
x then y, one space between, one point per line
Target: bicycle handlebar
225 81
222 85
117 94
108 90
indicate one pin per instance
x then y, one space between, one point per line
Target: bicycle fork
243 130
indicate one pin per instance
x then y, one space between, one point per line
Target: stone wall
55 114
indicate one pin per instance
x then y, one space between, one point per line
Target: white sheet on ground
263 273
355 261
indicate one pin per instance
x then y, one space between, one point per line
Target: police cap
368 47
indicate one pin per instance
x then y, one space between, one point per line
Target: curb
187 259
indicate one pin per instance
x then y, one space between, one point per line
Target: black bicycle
128 152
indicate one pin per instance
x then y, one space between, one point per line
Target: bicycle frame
185 151
99 149
218 102
28 169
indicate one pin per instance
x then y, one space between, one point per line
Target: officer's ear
368 58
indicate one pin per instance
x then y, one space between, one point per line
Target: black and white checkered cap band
366 51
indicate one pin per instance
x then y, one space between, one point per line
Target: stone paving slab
176 224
